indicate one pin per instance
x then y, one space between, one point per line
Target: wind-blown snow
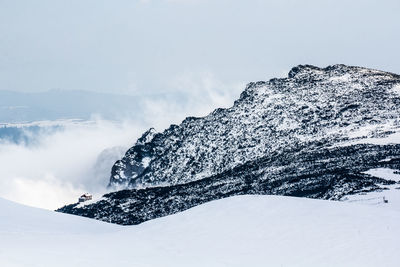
238 231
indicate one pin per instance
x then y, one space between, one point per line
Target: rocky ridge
311 134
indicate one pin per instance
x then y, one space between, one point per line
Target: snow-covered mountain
313 134
238 231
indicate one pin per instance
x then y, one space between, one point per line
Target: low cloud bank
56 166
60 166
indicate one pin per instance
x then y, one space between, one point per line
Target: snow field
238 231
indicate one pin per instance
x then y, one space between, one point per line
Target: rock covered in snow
311 134
313 104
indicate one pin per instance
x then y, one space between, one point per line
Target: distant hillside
60 104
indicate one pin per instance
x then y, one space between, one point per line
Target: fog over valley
56 145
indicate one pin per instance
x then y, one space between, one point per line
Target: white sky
137 47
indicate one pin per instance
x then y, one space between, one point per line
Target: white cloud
195 94
61 165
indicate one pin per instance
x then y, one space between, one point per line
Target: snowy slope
237 231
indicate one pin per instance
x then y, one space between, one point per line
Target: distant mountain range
313 134
62 104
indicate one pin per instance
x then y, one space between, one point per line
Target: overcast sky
137 47
201 53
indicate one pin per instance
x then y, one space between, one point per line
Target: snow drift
237 231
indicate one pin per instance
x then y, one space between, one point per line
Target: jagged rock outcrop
311 134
